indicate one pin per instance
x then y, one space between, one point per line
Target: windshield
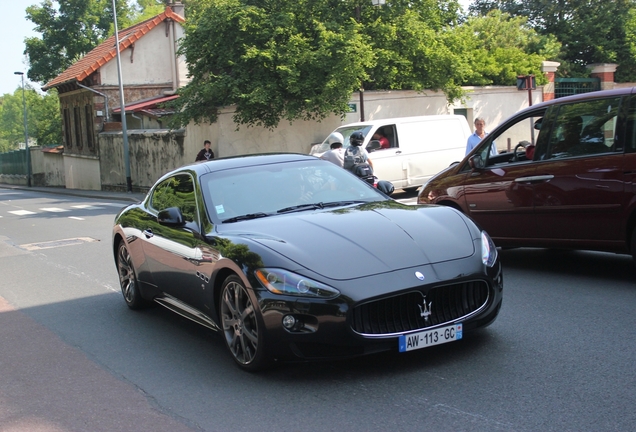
269 190
346 132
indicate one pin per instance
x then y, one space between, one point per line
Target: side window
177 191
585 128
630 130
386 136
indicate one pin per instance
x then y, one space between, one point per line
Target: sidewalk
106 195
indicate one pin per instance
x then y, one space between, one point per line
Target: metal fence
13 162
572 86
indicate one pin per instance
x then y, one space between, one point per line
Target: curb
119 196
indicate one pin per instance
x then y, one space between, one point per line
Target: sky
14 27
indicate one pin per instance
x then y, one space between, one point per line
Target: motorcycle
365 172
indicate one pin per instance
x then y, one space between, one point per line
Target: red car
564 176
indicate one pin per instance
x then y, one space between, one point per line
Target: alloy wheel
240 325
127 278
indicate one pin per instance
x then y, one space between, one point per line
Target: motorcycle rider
336 153
355 154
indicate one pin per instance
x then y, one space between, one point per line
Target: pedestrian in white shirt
479 134
336 153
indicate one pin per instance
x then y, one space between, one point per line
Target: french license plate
429 338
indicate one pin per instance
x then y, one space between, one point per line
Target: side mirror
386 187
373 145
171 216
476 162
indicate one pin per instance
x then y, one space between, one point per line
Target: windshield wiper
245 217
316 206
301 207
342 203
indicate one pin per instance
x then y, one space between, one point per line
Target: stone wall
494 104
152 153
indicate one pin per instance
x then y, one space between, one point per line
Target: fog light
289 322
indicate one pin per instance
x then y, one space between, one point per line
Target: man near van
384 141
356 155
336 152
479 134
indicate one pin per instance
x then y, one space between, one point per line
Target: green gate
572 86
13 162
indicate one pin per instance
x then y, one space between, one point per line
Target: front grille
403 313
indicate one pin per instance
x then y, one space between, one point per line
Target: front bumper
327 329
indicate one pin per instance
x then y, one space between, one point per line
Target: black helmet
356 138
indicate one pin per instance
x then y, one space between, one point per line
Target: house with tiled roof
89 93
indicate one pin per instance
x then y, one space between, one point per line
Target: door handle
534 179
148 233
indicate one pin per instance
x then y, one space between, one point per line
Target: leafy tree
497 47
590 31
44 124
302 59
147 9
69 29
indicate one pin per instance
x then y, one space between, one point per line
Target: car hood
361 241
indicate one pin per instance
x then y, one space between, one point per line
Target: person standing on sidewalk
480 133
205 153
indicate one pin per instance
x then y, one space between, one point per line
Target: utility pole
26 132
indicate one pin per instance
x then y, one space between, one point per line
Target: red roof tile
105 52
150 103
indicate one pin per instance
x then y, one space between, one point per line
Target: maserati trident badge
425 309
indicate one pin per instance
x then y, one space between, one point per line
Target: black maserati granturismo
290 257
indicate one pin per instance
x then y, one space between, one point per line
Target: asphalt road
560 357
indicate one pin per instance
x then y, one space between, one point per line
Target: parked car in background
417 147
568 180
290 257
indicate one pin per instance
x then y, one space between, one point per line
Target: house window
78 127
88 115
67 128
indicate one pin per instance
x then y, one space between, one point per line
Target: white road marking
21 212
75 217
58 243
54 209
87 207
121 205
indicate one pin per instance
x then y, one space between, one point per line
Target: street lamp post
26 132
122 105
359 19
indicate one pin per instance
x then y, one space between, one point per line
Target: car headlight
488 250
279 281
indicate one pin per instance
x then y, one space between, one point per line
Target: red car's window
585 128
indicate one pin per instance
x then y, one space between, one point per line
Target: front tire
242 331
128 279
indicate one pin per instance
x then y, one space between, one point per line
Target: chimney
177 7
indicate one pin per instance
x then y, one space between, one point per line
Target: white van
419 147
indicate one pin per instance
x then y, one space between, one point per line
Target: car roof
400 120
240 161
583 97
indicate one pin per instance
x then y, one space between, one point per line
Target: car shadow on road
605 266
